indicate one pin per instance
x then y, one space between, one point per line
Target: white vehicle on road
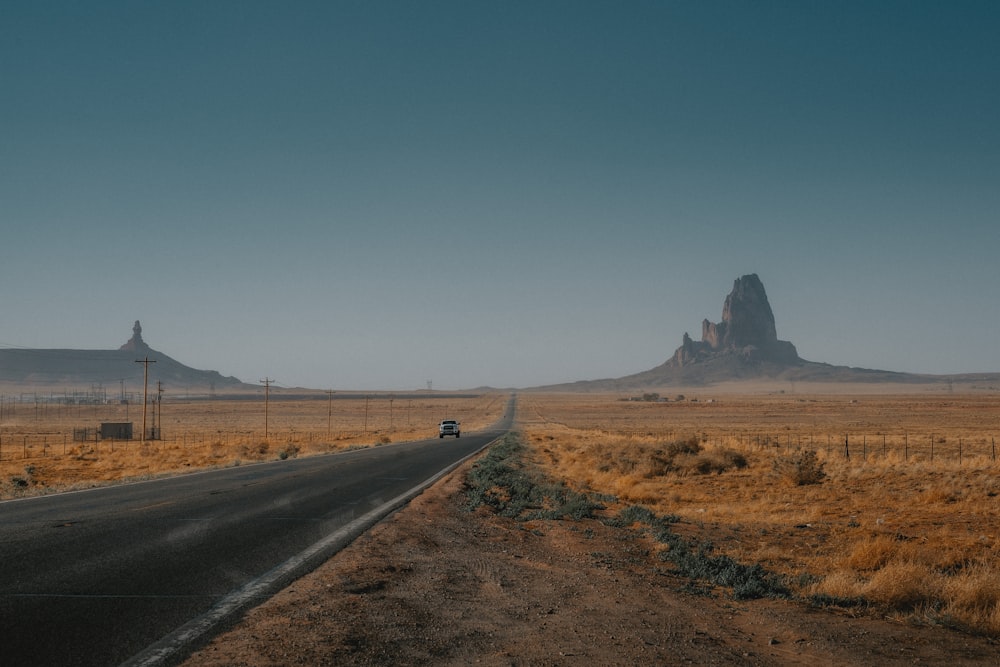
449 427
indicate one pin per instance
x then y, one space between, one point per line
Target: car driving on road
449 427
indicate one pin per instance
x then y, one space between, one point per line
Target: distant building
116 430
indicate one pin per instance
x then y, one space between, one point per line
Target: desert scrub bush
904 586
697 562
974 597
707 462
290 451
870 554
633 514
688 456
748 582
254 451
501 482
663 459
968 598
800 469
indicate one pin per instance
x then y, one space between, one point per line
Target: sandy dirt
435 584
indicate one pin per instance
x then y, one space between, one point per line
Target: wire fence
853 446
24 446
37 429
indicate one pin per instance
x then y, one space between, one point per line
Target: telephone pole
158 417
146 361
329 414
267 390
366 414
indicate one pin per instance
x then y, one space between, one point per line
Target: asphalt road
97 577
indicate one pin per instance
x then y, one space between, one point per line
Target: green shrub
697 562
500 482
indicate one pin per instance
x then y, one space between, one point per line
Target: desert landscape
776 558
866 522
277 244
39 451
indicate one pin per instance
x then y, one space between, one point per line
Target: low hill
75 369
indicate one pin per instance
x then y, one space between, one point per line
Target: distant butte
66 369
744 346
747 331
135 343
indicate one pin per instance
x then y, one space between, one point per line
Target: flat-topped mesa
747 330
135 343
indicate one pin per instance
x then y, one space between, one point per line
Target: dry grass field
38 453
891 502
860 501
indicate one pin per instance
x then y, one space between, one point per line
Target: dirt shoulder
436 584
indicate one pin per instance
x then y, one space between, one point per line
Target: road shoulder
436 584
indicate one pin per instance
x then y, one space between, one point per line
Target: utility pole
329 414
158 420
267 390
366 414
146 361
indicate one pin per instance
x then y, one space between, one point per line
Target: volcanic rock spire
135 343
747 330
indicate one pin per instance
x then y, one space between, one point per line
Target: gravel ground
435 584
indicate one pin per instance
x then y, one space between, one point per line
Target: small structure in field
116 430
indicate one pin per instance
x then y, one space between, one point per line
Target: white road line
263 586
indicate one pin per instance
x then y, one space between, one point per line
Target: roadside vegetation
505 483
911 538
38 453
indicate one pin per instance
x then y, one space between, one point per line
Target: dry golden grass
914 531
909 521
38 452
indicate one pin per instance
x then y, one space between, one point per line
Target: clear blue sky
373 194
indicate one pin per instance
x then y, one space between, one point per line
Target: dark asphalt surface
95 577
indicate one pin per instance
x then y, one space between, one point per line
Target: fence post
932 447
959 451
847 446
906 446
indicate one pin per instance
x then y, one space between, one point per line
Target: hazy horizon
373 195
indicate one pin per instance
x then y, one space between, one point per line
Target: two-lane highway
96 577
